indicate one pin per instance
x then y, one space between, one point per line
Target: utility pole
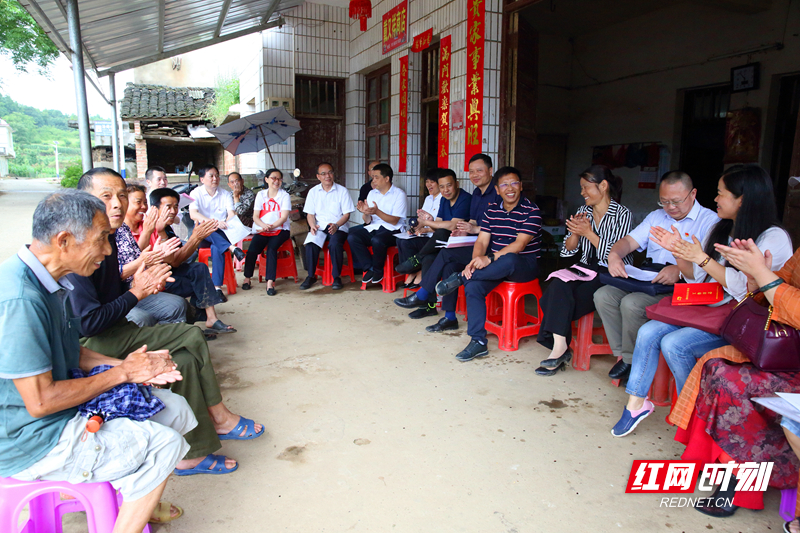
55 143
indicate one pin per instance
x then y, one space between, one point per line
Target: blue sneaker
628 422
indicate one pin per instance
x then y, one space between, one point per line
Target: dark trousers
510 267
447 261
257 245
409 247
381 240
193 281
219 244
562 303
336 249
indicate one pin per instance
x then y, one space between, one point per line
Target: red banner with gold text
422 41
476 17
403 112
444 102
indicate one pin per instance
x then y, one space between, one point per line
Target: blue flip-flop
204 467
246 425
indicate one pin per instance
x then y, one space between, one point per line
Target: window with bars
319 97
378 114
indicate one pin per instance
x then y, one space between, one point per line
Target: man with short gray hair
42 435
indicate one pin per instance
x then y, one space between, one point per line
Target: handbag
702 317
770 346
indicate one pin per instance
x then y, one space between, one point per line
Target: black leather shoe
238 254
452 283
337 284
423 312
474 349
566 357
408 266
413 286
222 295
444 324
544 371
410 301
308 282
620 370
707 506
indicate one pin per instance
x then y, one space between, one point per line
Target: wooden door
521 77
319 106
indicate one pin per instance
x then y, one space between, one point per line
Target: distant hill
35 131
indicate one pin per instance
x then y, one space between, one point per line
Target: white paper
236 231
185 200
458 242
318 239
786 404
638 273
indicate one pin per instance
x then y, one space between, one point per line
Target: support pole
112 92
74 23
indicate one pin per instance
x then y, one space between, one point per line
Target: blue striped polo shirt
504 226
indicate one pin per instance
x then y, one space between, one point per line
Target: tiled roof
159 101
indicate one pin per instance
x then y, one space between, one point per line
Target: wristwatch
490 255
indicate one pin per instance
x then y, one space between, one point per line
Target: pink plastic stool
99 500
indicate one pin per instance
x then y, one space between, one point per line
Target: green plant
226 94
71 176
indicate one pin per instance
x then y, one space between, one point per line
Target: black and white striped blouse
614 225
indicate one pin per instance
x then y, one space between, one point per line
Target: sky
55 91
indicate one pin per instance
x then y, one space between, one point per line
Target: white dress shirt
264 205
697 223
329 206
393 203
215 207
431 204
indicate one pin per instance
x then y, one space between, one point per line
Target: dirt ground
372 425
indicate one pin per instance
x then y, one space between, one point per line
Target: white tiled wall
321 40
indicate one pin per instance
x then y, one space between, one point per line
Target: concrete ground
372 425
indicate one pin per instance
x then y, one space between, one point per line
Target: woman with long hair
593 230
271 221
747 210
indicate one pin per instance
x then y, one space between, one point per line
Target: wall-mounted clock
745 78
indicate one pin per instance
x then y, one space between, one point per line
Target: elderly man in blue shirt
42 436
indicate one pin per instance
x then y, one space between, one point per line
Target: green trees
226 94
22 39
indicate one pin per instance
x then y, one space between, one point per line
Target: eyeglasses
326 173
514 184
673 203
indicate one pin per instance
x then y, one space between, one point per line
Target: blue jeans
682 347
161 308
219 244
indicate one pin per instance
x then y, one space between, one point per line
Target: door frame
510 9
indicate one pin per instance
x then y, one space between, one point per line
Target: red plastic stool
326 270
583 345
506 316
287 266
663 383
390 277
461 302
204 254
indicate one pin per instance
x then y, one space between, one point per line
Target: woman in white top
409 247
747 210
271 224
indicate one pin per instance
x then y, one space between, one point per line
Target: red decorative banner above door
422 41
476 17
444 102
403 112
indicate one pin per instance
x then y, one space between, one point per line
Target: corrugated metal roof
122 34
